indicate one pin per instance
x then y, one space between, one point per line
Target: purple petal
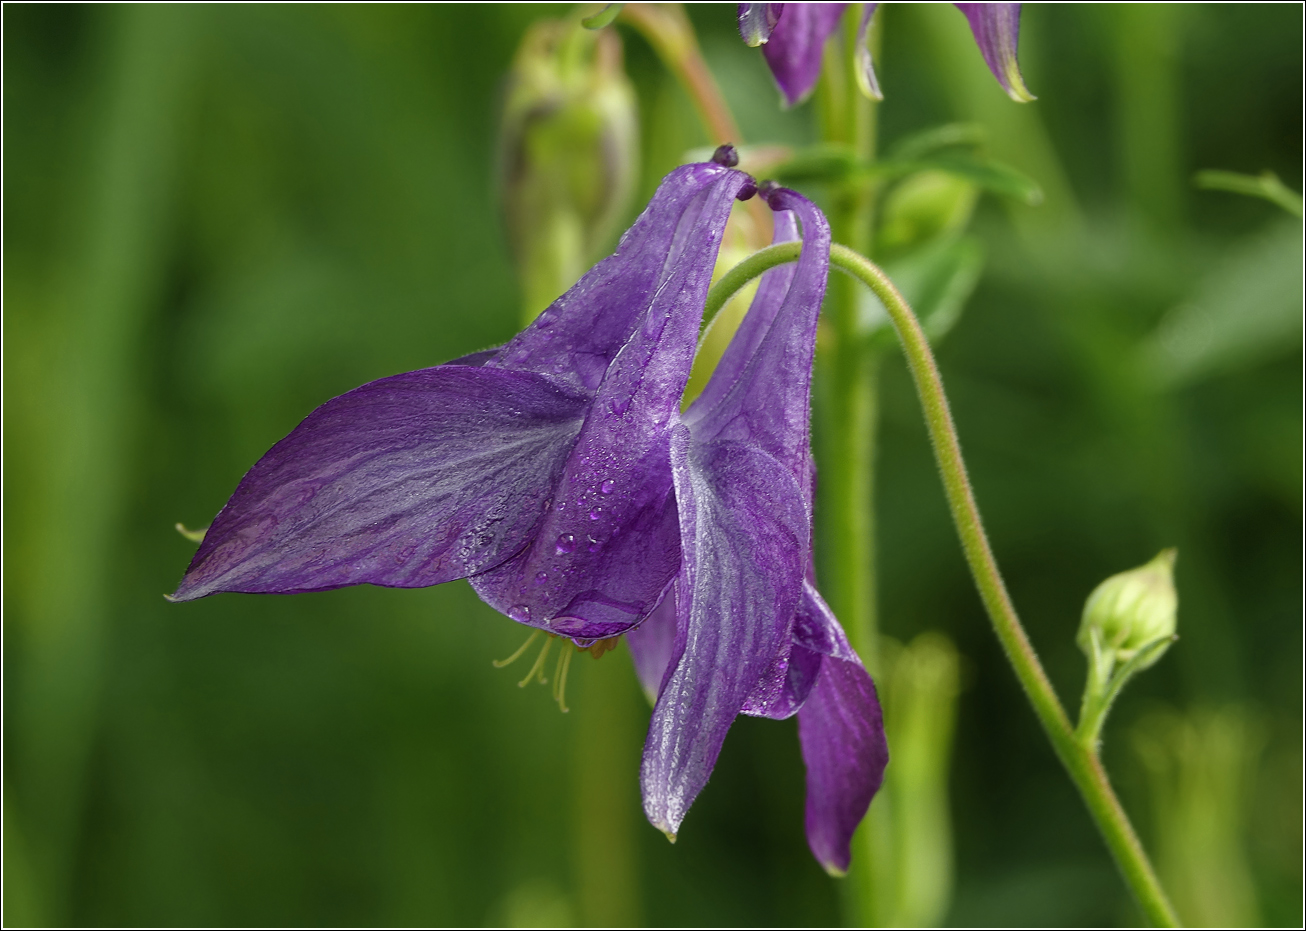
610 546
767 400
997 31
407 481
744 527
865 69
841 730
771 291
576 338
796 45
817 629
815 634
756 20
477 359
782 700
651 645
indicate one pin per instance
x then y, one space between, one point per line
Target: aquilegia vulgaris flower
557 474
793 38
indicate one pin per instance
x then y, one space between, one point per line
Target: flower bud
1131 610
926 206
568 151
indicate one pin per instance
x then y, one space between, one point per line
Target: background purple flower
793 37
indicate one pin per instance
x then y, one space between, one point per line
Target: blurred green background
216 218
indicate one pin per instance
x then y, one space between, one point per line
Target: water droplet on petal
619 406
566 543
595 545
596 513
520 612
546 318
607 486
541 578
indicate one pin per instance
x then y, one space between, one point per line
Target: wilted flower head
793 37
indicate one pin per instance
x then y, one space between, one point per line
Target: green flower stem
1081 761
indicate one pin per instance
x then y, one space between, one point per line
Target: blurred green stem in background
1081 762
910 820
1200 769
128 207
1149 110
847 393
606 742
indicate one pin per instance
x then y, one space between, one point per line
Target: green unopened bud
1129 622
1132 610
923 207
568 151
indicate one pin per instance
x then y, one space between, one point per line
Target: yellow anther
599 647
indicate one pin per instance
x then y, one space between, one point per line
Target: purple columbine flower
793 37
745 631
557 474
540 470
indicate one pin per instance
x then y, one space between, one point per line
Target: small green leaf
936 280
947 136
1247 309
819 163
992 176
603 17
1266 185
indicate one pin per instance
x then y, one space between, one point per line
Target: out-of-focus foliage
218 217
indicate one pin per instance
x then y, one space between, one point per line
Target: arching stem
1081 761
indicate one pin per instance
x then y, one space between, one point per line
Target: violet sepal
448 472
795 46
996 27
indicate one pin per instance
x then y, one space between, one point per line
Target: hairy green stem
1081 761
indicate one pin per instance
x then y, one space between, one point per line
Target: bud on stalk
568 154
1128 623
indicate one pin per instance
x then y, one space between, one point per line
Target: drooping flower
793 37
557 474
745 631
541 469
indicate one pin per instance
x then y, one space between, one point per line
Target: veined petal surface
407 481
841 730
609 547
744 531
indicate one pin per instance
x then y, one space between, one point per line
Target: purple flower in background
745 631
793 37
997 30
540 470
